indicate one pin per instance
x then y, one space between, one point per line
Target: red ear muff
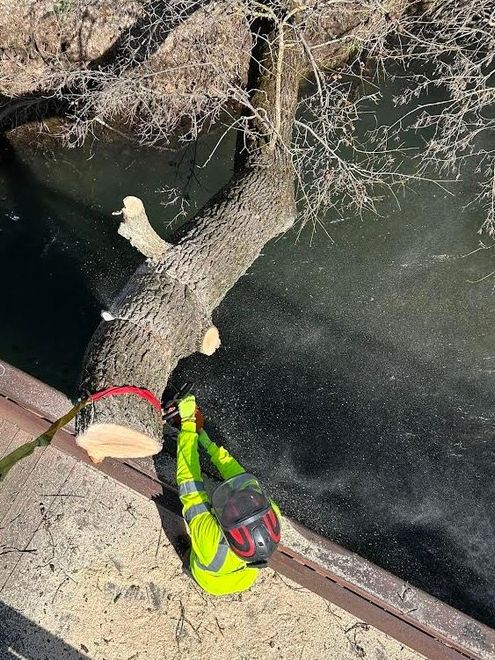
272 525
241 541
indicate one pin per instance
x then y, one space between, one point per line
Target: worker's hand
187 412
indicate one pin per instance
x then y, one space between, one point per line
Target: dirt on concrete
104 578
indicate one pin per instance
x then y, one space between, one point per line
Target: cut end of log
211 341
111 440
107 316
133 205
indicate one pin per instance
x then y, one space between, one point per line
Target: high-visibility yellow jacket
214 566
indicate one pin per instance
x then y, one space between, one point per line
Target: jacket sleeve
203 527
192 492
220 457
225 463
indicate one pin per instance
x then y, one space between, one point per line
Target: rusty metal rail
368 592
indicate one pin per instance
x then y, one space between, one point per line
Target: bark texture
164 311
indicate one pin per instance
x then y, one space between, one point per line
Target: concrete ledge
32 394
390 593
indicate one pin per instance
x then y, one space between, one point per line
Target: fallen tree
164 312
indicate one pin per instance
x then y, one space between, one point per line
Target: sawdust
150 608
111 586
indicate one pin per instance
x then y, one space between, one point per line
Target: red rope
128 389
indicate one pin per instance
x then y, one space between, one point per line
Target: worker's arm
276 508
220 457
189 480
225 463
204 529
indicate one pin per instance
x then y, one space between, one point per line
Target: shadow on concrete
22 638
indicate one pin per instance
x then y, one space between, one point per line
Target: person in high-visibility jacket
233 537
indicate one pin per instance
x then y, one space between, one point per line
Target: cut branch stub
211 341
138 231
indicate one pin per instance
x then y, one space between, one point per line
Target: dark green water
355 377
61 259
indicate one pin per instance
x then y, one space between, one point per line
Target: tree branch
138 231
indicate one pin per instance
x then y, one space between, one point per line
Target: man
234 537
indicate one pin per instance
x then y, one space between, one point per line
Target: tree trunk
164 312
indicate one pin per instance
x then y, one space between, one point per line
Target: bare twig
6 550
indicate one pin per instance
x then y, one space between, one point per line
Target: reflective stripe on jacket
213 565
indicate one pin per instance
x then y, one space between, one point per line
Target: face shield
238 499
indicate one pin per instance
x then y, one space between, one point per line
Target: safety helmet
248 520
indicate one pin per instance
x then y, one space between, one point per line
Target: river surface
356 377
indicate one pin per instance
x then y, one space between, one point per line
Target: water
357 380
355 377
61 259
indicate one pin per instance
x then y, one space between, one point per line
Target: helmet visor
237 499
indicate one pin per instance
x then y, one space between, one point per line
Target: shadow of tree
22 638
134 46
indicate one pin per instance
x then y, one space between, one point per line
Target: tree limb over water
164 311
186 64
